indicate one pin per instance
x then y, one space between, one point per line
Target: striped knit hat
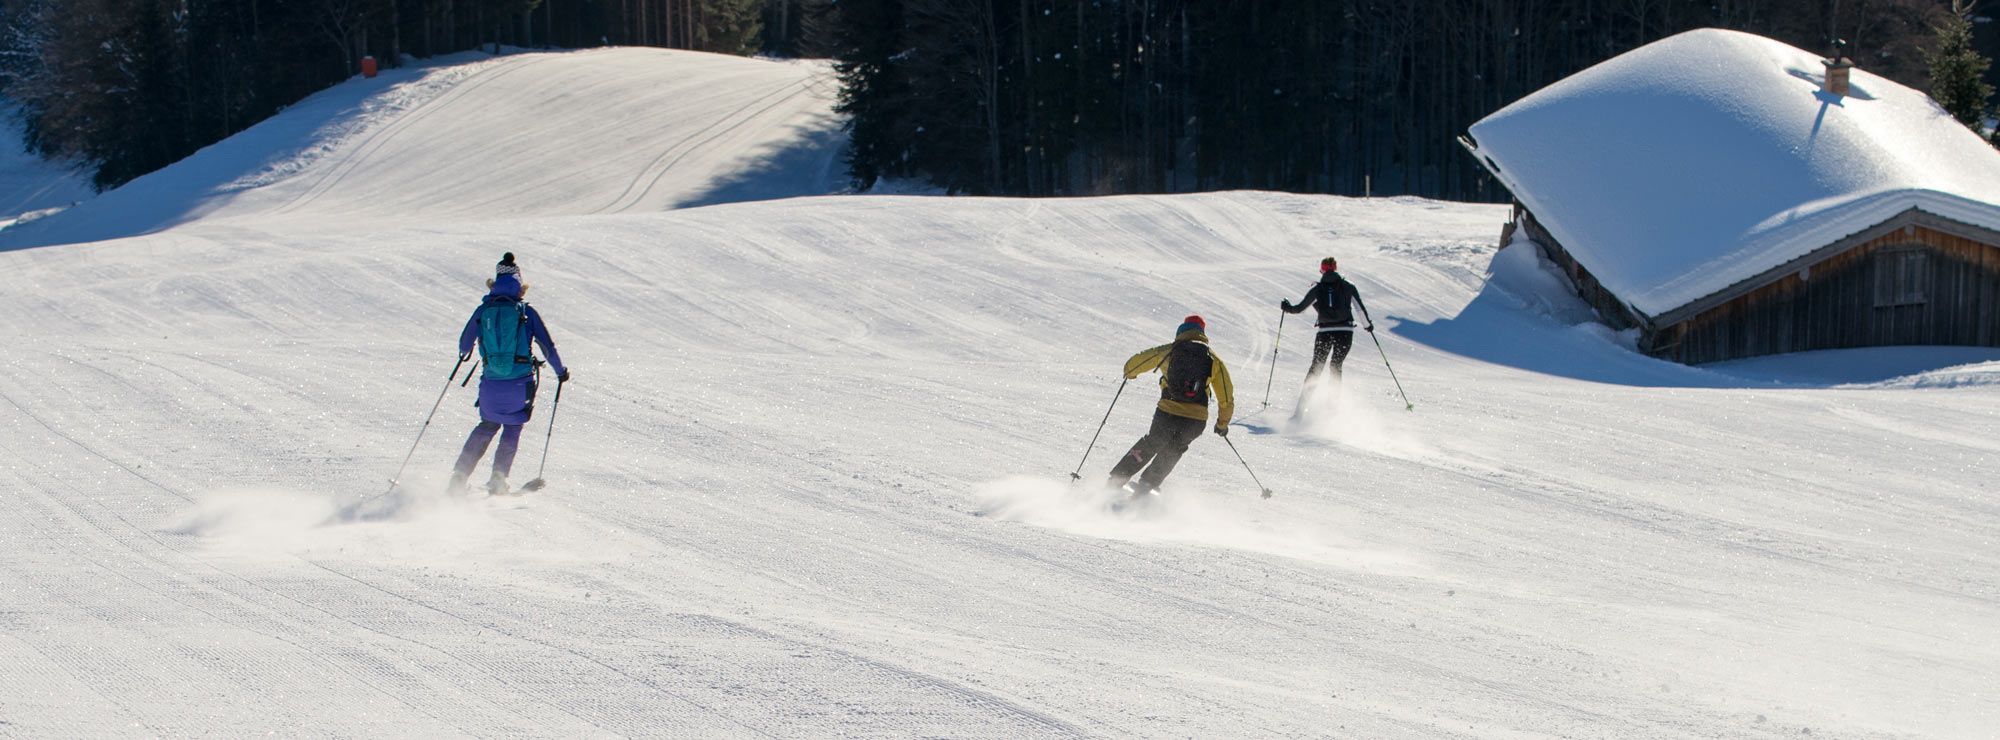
506 276
1192 323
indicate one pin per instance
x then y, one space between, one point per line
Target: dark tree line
1039 97
1034 97
800 28
128 86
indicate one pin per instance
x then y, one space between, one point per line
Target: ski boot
1137 494
457 488
497 486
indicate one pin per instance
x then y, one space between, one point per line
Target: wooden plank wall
1832 306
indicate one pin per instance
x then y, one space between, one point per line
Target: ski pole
1078 474
1274 360
475 371
1407 406
427 425
538 483
1246 465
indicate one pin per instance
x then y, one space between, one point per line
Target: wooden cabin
1760 201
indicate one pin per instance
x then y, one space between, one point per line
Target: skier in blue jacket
503 326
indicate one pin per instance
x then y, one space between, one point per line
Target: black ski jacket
1331 296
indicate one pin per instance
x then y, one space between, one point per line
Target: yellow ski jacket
1218 381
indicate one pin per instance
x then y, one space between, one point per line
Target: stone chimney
1838 68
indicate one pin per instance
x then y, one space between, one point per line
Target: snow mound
1521 272
1683 167
1982 375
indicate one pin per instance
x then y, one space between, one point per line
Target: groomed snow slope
1693 163
788 419
597 131
810 480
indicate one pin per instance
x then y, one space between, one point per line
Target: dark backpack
1187 369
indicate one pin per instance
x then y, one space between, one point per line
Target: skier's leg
1321 344
475 448
1181 433
1142 452
503 457
1342 342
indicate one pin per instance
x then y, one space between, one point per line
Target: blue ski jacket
510 400
537 331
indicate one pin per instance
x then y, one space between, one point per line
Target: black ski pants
1159 451
1330 347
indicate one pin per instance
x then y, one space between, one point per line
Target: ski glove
1284 305
564 377
1222 430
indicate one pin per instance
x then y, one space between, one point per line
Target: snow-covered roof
1702 160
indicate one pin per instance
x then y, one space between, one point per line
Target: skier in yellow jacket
1189 371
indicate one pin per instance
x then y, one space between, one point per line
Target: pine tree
802 29
873 91
1958 72
730 26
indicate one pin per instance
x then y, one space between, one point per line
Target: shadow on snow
1500 328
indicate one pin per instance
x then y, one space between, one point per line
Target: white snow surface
473 136
1693 163
810 480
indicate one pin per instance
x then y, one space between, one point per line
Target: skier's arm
1224 392
540 332
1364 307
1303 303
1146 361
471 332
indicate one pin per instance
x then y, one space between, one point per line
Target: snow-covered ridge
1698 161
476 137
344 114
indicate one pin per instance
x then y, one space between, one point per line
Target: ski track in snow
810 478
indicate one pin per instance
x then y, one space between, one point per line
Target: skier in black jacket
1336 320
